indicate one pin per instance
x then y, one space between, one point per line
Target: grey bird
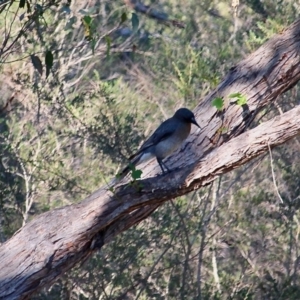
166 139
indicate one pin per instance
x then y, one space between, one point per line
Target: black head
186 115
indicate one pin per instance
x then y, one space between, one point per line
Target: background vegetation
83 83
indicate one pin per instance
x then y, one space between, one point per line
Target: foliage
89 82
218 103
239 98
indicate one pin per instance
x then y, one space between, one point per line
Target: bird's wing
165 130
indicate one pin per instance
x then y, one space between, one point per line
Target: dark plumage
166 139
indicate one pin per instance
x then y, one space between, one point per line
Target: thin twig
273 174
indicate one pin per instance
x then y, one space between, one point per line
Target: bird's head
186 115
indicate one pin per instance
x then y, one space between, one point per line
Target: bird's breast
173 142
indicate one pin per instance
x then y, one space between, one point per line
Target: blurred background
85 84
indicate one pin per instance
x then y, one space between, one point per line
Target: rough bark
55 241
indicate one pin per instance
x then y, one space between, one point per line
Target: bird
166 139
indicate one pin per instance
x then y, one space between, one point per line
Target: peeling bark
55 241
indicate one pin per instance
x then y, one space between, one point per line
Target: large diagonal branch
221 160
55 241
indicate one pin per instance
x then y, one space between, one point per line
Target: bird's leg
166 167
161 164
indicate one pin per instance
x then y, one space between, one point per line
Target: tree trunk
55 241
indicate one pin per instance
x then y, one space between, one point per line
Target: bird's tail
129 167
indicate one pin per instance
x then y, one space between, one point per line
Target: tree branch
55 241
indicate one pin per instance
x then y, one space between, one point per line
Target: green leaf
222 130
123 17
28 7
93 44
39 9
108 43
37 63
235 95
48 62
21 18
87 22
135 22
218 103
240 99
89 30
136 174
22 3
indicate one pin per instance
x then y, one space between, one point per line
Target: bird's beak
193 121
